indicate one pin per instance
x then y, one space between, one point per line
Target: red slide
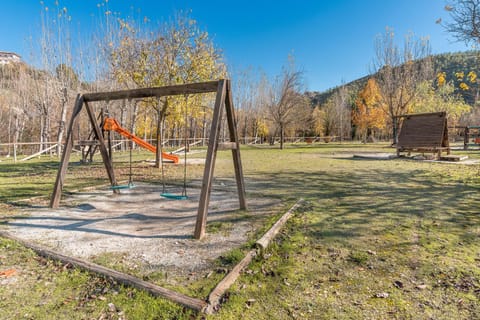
112 124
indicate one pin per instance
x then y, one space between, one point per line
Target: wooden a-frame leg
103 149
237 161
57 189
210 161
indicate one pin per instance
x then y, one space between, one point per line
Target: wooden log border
215 296
264 241
155 290
125 279
208 306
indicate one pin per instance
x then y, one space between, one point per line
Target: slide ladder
112 124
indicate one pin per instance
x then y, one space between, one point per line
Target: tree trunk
9 129
204 128
42 129
282 136
245 130
395 131
160 115
61 124
15 138
145 117
133 126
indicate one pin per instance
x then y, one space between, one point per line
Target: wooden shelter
223 101
424 132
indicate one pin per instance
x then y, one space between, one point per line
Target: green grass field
376 239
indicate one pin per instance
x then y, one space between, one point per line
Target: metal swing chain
184 192
130 180
161 150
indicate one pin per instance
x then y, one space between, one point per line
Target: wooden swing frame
223 101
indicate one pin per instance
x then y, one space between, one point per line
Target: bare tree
327 117
285 100
249 96
465 25
342 112
400 71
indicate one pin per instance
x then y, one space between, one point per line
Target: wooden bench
424 132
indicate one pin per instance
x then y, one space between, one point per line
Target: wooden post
103 149
14 152
210 161
237 162
57 189
466 138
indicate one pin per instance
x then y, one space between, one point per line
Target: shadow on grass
26 180
371 201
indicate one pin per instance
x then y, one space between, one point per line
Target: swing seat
123 186
173 196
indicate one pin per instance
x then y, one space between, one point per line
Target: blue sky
332 41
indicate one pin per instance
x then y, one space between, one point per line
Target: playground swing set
223 102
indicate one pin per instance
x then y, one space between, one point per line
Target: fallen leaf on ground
8 273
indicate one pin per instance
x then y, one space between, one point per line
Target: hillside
450 63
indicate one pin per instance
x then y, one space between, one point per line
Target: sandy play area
141 226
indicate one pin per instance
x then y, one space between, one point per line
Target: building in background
9 57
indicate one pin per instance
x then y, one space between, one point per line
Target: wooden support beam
57 189
155 290
106 157
210 161
237 161
192 88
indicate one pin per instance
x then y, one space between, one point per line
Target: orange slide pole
112 124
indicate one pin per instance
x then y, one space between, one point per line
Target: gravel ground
142 226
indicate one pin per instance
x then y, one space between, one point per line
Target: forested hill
453 64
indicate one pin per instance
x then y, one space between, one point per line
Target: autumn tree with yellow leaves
177 52
440 96
369 115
